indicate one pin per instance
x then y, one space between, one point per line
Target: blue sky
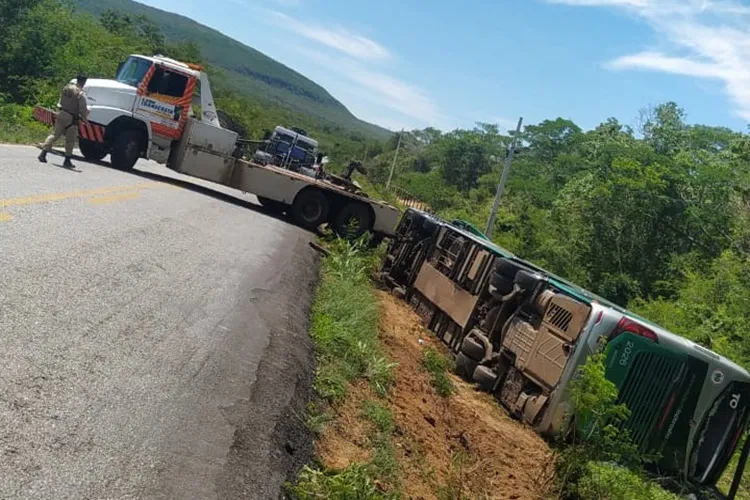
448 64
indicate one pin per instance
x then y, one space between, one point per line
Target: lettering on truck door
164 98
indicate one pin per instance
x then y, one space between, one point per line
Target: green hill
248 71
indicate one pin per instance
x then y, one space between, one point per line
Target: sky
450 64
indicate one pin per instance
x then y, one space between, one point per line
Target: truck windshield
132 71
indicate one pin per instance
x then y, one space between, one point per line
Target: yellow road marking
5 217
51 197
111 199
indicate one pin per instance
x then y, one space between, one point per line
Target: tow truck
163 110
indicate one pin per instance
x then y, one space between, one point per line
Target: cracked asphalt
153 336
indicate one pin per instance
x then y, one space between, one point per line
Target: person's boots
43 156
67 163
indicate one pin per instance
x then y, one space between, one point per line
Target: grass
353 483
345 325
17 126
453 489
345 332
438 366
383 454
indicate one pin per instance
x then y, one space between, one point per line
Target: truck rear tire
352 221
310 209
126 149
91 150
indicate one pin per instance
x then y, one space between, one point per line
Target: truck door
164 99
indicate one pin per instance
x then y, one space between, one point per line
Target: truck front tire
126 149
91 150
310 209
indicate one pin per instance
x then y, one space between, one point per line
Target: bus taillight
628 325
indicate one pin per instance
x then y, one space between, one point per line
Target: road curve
152 336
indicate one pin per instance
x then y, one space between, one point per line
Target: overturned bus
521 332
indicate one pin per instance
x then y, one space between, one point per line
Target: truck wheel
465 367
352 221
310 209
126 150
472 349
485 378
272 205
92 151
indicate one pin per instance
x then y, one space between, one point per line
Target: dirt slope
464 446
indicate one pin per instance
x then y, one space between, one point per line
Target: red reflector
599 318
628 325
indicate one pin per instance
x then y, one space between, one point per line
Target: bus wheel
485 378
502 284
310 209
465 366
472 349
352 221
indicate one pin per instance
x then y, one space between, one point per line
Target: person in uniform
73 110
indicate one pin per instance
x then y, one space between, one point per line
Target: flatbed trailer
207 152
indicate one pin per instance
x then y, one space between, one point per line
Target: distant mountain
249 72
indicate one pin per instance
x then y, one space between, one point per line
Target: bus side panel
457 303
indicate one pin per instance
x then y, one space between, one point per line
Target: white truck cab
143 110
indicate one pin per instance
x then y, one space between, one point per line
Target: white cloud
338 38
703 38
413 107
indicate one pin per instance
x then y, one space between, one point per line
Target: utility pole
395 157
503 178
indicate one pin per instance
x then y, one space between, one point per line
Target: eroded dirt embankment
462 446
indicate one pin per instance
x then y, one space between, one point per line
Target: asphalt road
152 336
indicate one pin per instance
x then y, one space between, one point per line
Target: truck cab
142 112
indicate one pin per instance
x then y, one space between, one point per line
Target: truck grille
650 380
